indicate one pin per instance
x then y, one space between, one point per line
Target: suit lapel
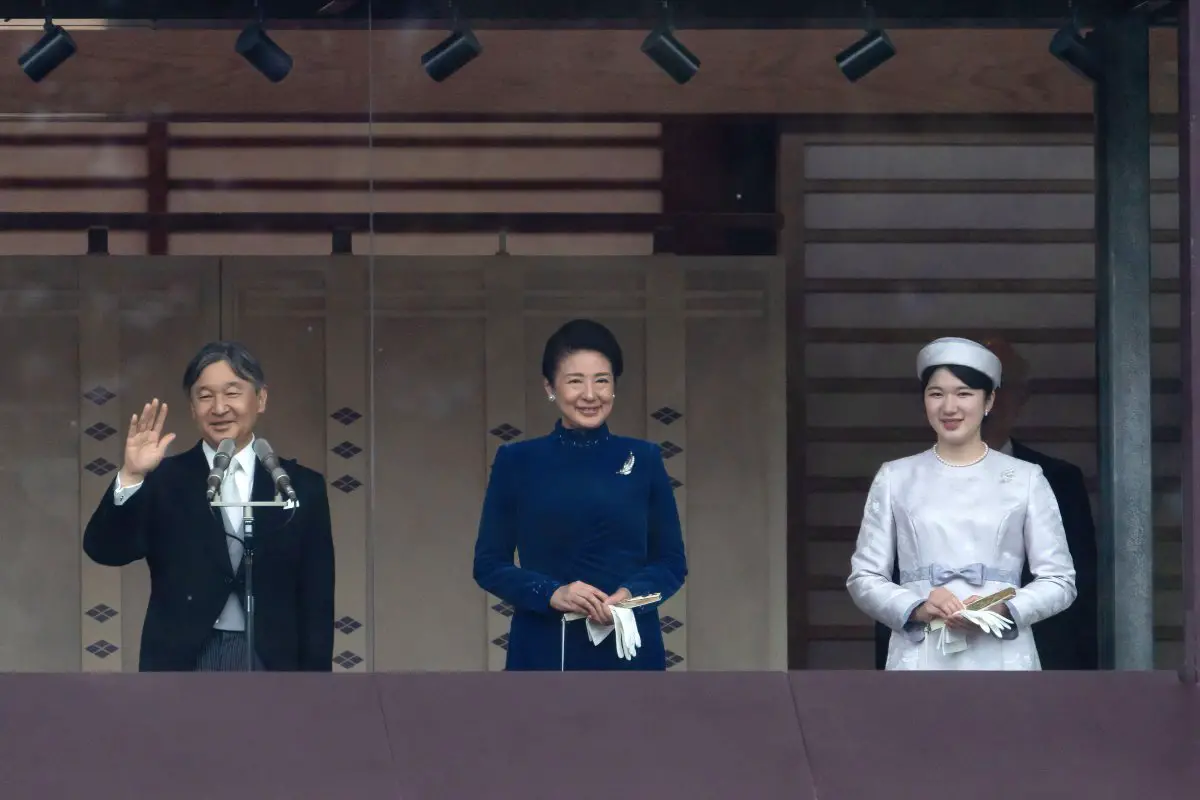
266 520
210 522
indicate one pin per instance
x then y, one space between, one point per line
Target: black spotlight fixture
451 54
1078 52
50 51
865 55
671 55
264 55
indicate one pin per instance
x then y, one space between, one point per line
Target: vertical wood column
348 448
102 429
1123 343
776 430
666 400
1189 263
792 248
158 186
505 380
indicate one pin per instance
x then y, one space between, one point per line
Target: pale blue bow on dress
939 574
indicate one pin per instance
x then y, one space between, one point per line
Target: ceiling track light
260 50
670 54
868 53
1079 52
454 52
48 53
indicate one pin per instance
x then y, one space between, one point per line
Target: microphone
271 461
220 463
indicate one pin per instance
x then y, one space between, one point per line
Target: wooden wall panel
131 72
280 168
306 320
908 239
42 447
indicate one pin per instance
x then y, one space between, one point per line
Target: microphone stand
248 560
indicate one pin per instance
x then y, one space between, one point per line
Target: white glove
629 639
989 621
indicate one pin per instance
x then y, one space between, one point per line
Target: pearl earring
550 397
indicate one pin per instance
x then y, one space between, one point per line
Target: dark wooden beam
384 222
143 73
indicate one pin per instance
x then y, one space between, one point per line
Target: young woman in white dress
961 520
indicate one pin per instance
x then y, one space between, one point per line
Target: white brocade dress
970 529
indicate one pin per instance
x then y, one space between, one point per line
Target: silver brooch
1007 475
628 467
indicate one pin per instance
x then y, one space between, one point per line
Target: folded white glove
628 638
953 641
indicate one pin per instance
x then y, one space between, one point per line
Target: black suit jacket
1067 640
169 523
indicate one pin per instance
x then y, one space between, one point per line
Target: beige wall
431 355
902 239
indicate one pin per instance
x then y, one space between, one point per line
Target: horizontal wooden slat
69 243
967 186
849 533
925 335
77 183
415 244
995 212
967 163
54 139
906 386
389 223
861 434
416 202
96 160
436 163
442 185
968 309
483 129
965 236
966 285
966 261
32 201
412 142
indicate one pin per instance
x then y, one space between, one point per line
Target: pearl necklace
986 450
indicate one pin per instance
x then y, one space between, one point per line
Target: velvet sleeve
666 558
495 569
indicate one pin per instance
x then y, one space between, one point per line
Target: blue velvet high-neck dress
578 505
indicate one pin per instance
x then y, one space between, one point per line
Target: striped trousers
225 651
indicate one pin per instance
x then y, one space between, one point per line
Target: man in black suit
1067 640
156 509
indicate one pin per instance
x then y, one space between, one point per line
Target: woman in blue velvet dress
591 514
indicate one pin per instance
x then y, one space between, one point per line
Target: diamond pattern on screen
101 612
670 449
100 431
347 483
669 624
101 466
347 625
501 641
347 659
102 649
673 659
666 415
99 395
505 432
346 415
347 450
